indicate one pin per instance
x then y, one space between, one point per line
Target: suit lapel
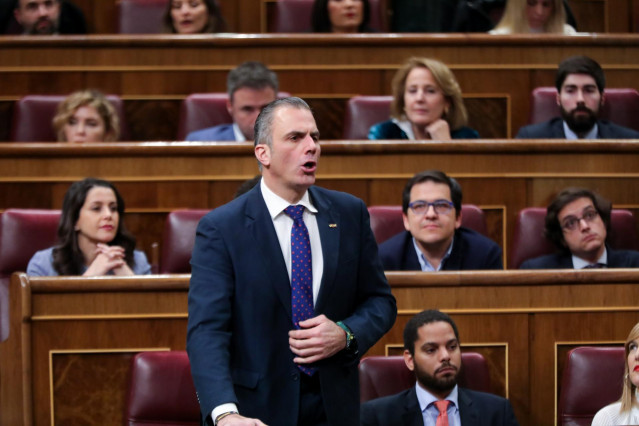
467 413
260 225
412 414
411 261
329 230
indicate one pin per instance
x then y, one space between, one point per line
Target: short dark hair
435 176
580 65
264 121
252 74
552 228
67 256
321 22
424 317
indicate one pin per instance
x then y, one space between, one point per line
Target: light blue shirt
41 264
239 136
425 264
579 263
592 134
429 410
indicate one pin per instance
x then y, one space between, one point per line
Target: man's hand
318 338
237 420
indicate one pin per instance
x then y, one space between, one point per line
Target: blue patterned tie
301 272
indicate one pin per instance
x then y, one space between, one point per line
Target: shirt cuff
221 409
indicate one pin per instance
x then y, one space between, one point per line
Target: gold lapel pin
332 225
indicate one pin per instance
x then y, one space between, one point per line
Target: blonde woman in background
86 116
427 104
534 16
626 410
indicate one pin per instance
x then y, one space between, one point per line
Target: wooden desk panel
75 336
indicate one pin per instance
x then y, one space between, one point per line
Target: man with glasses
578 224
434 239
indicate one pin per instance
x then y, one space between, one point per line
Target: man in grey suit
251 86
580 86
431 351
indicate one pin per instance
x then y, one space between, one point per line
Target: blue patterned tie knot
301 272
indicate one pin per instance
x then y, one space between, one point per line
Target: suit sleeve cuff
221 409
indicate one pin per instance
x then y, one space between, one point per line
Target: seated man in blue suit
286 290
580 86
431 351
434 239
578 224
251 86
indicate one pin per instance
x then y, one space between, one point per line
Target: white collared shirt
429 410
592 134
239 136
579 263
284 224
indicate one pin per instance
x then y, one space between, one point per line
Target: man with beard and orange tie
580 86
431 351
47 17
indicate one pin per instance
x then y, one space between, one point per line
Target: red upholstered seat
201 110
387 221
178 239
33 114
621 106
592 378
161 390
362 112
387 375
22 233
529 240
294 16
140 16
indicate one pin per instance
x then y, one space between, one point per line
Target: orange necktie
442 418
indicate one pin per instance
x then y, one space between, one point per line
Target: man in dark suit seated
431 351
286 290
434 239
578 224
251 86
580 86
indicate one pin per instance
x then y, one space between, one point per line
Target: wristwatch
351 341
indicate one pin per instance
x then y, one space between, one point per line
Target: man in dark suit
431 351
434 239
580 86
271 335
250 86
578 224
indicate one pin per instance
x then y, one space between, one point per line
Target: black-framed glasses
420 207
572 222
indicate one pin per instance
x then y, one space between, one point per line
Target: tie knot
442 406
295 212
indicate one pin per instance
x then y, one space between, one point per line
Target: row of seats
161 389
25 231
201 110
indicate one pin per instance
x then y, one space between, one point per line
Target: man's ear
603 99
458 219
263 154
229 107
406 223
558 98
17 15
408 360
